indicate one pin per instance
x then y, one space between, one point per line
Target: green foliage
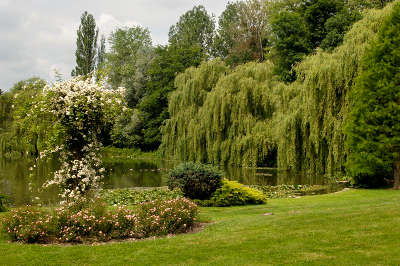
136 196
195 180
100 60
291 42
170 61
233 193
6 103
194 28
316 13
20 134
373 128
336 26
243 116
126 132
299 27
313 110
221 116
101 53
363 4
86 46
190 42
2 208
93 222
128 60
225 38
5 111
243 32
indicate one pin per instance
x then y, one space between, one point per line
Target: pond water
21 180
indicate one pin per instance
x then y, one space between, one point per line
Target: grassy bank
347 228
115 154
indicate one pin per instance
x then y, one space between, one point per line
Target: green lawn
356 227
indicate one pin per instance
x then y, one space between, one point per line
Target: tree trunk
396 174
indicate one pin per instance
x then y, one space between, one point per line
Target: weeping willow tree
222 116
5 119
313 109
16 139
237 117
244 116
183 106
5 110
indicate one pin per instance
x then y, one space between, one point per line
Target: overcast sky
38 36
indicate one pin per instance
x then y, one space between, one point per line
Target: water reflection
133 173
21 180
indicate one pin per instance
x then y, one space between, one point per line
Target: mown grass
356 227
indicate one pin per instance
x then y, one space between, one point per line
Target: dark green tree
169 61
337 26
86 46
316 13
373 129
195 27
291 43
300 26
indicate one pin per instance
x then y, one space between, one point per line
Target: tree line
338 118
281 31
264 83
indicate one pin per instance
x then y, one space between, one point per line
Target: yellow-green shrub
233 193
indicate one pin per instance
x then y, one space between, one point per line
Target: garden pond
21 180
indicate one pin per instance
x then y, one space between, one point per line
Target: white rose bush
82 110
80 113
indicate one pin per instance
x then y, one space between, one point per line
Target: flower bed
94 222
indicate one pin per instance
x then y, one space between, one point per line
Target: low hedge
95 222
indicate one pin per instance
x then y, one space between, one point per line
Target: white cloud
38 36
60 68
107 23
4 3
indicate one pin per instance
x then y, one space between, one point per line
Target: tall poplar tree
86 46
374 125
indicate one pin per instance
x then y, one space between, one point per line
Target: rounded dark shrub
196 180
